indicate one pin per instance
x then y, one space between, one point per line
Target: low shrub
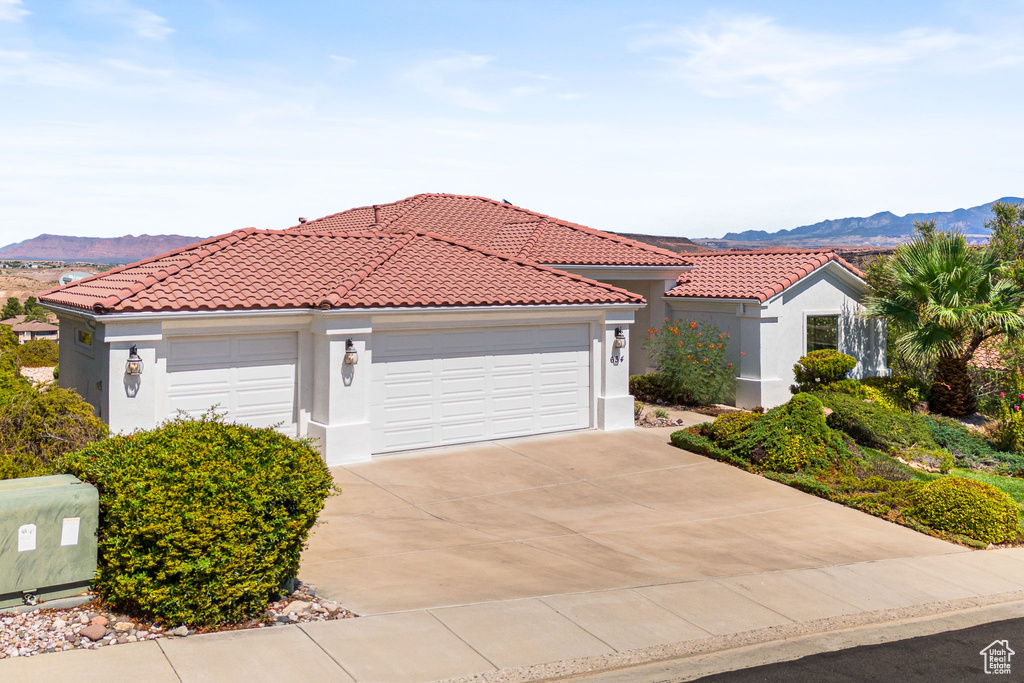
873 425
11 380
896 393
650 388
200 521
695 442
934 459
41 353
821 367
1010 433
727 429
972 508
691 361
37 427
971 448
638 410
789 437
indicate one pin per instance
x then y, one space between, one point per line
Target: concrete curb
696 658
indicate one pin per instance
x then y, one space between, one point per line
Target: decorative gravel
93 625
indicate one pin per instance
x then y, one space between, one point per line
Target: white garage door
251 377
436 387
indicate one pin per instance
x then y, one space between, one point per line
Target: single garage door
438 387
250 377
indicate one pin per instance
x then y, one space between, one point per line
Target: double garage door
439 387
252 378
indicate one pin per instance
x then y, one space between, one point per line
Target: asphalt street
950 656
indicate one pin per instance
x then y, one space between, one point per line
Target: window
822 332
85 338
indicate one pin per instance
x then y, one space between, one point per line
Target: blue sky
198 117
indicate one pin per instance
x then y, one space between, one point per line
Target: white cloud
141 22
12 10
434 77
342 62
754 55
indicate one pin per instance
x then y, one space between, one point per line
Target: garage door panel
513 426
266 347
462 409
502 405
517 382
461 432
408 415
478 385
200 351
463 386
407 438
409 390
252 378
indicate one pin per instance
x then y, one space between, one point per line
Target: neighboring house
470 319
777 305
371 342
73 276
30 330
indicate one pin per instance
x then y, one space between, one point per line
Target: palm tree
947 298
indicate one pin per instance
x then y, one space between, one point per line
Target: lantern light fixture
133 368
620 338
351 355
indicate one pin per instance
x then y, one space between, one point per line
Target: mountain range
109 250
881 229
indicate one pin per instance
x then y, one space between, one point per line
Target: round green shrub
40 353
201 521
39 426
821 367
971 508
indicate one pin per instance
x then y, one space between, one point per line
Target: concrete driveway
571 513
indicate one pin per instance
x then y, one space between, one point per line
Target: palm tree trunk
952 393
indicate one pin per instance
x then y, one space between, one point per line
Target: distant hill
664 241
112 250
881 229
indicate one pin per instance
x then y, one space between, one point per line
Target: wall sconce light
133 368
351 355
620 339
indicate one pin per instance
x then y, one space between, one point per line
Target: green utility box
47 538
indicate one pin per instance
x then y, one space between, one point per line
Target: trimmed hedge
650 388
200 521
821 367
968 507
873 425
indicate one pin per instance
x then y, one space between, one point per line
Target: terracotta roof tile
270 269
751 274
501 227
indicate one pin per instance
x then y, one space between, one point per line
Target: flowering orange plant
691 369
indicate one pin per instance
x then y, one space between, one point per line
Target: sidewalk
567 634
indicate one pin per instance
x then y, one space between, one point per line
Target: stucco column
133 402
614 404
340 414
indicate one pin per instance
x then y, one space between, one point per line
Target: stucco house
778 305
31 330
436 320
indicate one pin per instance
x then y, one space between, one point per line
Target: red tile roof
501 227
273 269
751 274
